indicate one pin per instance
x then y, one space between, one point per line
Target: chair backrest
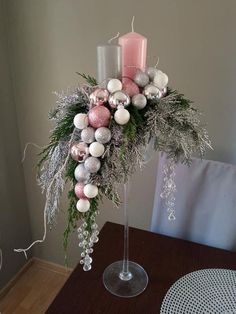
205 204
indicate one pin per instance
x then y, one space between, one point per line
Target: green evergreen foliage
172 121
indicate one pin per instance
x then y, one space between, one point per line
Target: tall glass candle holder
125 278
108 62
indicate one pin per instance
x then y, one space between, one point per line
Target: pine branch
62 130
89 79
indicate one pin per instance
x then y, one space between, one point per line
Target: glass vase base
132 284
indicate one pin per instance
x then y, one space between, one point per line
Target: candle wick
157 62
132 24
117 35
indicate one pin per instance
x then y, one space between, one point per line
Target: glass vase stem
125 278
125 274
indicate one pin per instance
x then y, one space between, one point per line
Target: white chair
205 204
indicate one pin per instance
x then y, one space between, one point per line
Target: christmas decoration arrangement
101 132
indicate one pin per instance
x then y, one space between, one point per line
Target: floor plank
34 290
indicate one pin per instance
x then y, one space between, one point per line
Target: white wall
14 219
52 39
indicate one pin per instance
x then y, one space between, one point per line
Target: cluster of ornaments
94 125
115 98
88 151
151 84
105 104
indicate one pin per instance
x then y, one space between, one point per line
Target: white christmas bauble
114 85
83 205
160 80
81 121
90 190
122 116
96 149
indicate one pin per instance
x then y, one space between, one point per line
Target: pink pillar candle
134 53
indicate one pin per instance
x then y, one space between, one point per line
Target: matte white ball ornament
160 80
121 116
114 85
81 121
83 205
90 190
96 149
139 101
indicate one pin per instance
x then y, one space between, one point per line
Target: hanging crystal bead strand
87 240
169 188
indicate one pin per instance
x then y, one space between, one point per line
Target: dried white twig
48 197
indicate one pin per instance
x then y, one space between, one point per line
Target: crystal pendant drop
169 188
87 259
87 267
171 216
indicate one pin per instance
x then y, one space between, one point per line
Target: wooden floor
34 289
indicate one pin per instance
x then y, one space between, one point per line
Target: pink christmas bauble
130 87
79 190
99 96
99 116
79 151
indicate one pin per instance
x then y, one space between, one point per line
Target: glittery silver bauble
151 92
92 164
139 101
160 80
81 174
141 79
103 135
87 135
119 98
151 72
99 96
79 151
